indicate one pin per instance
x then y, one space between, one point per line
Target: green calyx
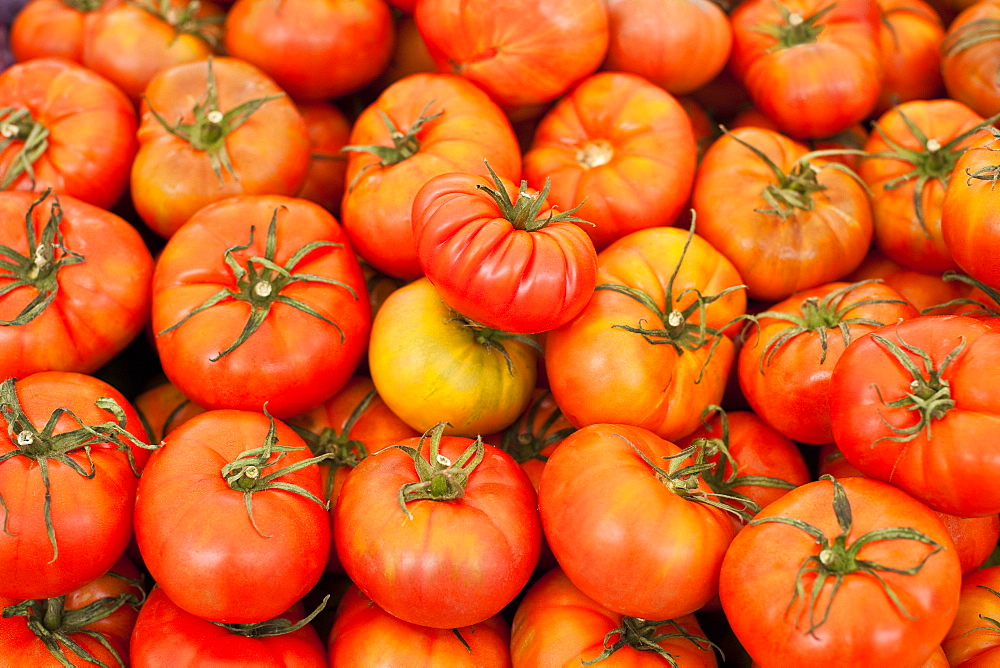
644 635
840 558
795 29
989 173
55 626
211 126
260 282
185 20
819 316
972 34
493 339
44 445
249 473
278 626
440 479
526 439
523 213
982 309
405 145
992 624
39 268
18 125
84 6
930 393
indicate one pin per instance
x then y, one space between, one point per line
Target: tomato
204 127
410 55
167 635
163 408
555 624
922 289
232 498
444 539
678 45
776 211
89 624
813 67
134 40
913 404
67 128
315 50
911 157
649 348
364 634
429 364
419 127
54 28
615 131
233 331
499 255
969 214
70 456
865 572
969 54
631 523
972 640
535 54
910 37
329 131
787 360
74 287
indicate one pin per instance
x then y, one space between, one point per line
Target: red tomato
972 641
70 458
498 254
163 408
420 533
555 624
216 510
74 287
314 49
364 634
67 128
204 127
329 131
235 332
89 624
54 28
910 36
969 54
865 573
913 404
615 132
638 539
166 635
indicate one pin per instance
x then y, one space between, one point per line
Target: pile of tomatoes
507 333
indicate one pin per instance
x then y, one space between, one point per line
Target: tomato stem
278 626
17 124
795 30
523 213
645 635
405 145
523 440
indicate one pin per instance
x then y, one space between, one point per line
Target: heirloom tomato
974 638
54 28
855 570
260 299
913 404
615 133
910 36
229 517
74 284
71 450
329 130
501 255
203 130
440 531
969 55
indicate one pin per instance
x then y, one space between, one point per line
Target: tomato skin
555 624
167 635
537 53
428 366
969 219
622 536
91 124
949 469
89 541
910 36
794 85
329 130
52 28
163 408
377 206
102 303
614 131
314 50
789 388
195 534
364 634
294 361
171 180
22 648
863 622
968 53
971 642
485 267
454 563
778 255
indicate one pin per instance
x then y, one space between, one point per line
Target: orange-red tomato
54 28
969 53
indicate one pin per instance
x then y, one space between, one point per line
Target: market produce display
525 333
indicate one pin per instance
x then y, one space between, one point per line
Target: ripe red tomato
329 130
54 28
440 531
972 639
498 253
910 38
969 53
